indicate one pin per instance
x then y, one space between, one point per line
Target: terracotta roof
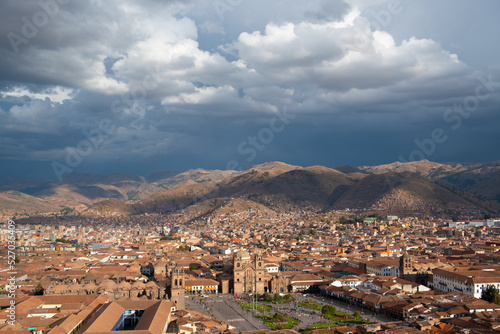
154 319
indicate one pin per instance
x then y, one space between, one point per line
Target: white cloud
323 55
55 94
116 29
159 55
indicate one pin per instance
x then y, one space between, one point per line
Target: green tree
491 294
357 314
266 297
39 289
278 317
328 309
192 267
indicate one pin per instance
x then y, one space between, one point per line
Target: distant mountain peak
273 165
416 184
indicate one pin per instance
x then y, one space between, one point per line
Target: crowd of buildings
98 274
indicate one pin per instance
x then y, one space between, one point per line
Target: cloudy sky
143 86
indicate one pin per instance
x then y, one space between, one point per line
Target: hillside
482 181
85 189
81 191
112 207
404 193
194 175
316 184
426 168
274 168
158 176
479 179
238 210
450 189
312 184
15 202
177 198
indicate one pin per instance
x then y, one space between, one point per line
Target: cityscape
234 166
252 264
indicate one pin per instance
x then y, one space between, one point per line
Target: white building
470 282
382 267
350 281
394 271
272 267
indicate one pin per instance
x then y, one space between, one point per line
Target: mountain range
422 187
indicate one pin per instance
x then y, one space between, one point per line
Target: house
199 286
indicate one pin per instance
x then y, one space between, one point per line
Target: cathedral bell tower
405 265
177 284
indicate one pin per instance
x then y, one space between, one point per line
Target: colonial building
469 282
249 276
288 282
114 289
200 286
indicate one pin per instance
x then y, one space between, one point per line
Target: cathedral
249 276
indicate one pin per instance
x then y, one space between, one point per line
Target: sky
145 86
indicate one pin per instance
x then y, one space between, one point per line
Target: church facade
249 276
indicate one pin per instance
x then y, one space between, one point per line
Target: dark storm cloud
149 87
